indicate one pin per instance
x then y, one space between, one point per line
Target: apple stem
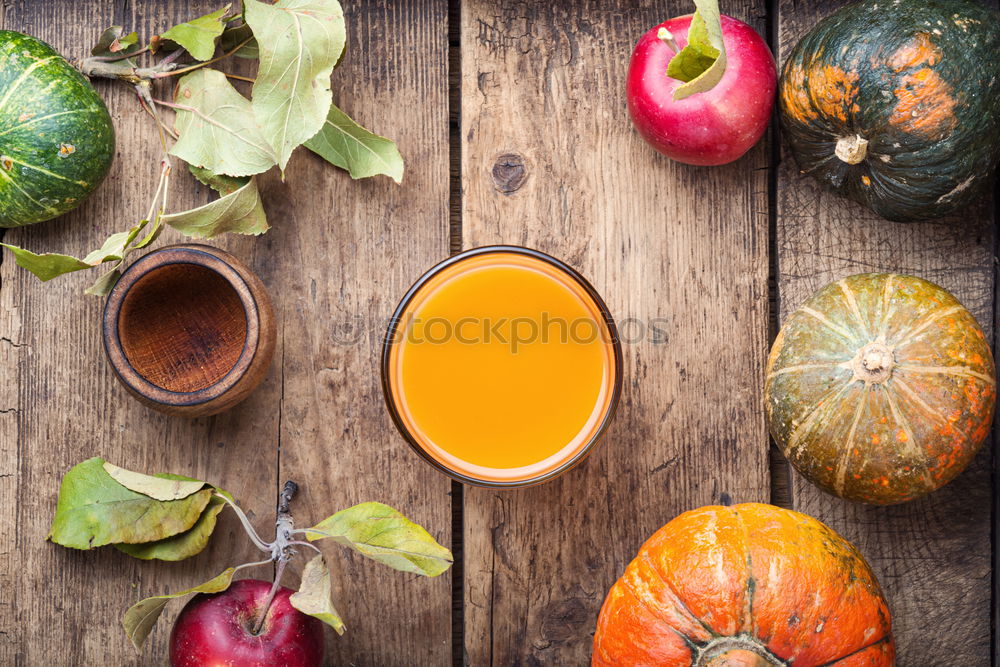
667 38
280 570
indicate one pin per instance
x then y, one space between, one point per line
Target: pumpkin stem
873 363
851 150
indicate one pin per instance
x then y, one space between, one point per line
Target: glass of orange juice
502 367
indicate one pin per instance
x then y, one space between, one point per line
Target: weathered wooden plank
550 160
344 253
932 555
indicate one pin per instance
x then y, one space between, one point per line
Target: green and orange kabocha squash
896 104
56 137
745 586
880 388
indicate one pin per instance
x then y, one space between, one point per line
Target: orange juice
502 366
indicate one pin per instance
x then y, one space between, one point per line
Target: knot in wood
509 173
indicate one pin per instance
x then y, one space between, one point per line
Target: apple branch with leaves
225 138
171 517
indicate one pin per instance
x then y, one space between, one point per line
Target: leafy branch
171 517
225 138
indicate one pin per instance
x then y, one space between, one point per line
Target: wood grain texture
62 404
345 252
550 160
932 555
340 253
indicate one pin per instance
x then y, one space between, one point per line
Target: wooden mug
189 330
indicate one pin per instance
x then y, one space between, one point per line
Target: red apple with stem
695 102
222 629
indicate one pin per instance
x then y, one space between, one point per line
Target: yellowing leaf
160 488
299 42
93 510
344 143
383 534
183 545
240 212
198 36
48 265
313 596
217 128
702 62
140 617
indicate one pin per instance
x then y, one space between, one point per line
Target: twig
191 68
122 56
300 543
241 78
270 596
254 537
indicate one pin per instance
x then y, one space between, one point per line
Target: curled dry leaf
142 616
183 545
383 534
313 596
160 488
702 62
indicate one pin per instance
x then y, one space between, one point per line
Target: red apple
218 630
712 127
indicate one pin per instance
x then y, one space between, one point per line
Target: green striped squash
56 137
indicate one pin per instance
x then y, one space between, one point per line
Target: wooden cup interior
182 327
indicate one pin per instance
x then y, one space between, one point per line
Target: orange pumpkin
880 388
745 586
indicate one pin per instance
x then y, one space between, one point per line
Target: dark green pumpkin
896 104
56 137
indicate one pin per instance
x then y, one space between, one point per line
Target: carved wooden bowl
189 330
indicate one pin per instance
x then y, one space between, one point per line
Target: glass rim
616 387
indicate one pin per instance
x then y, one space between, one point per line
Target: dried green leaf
221 183
313 596
114 41
158 487
199 35
344 143
103 285
240 212
299 41
46 266
183 545
235 35
93 510
218 130
383 534
702 62
140 617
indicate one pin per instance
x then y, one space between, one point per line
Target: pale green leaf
93 510
103 285
313 596
702 62
152 234
240 212
344 143
299 41
383 534
160 488
221 183
140 617
199 35
217 127
113 248
235 35
48 265
183 545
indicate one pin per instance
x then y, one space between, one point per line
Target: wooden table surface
511 118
